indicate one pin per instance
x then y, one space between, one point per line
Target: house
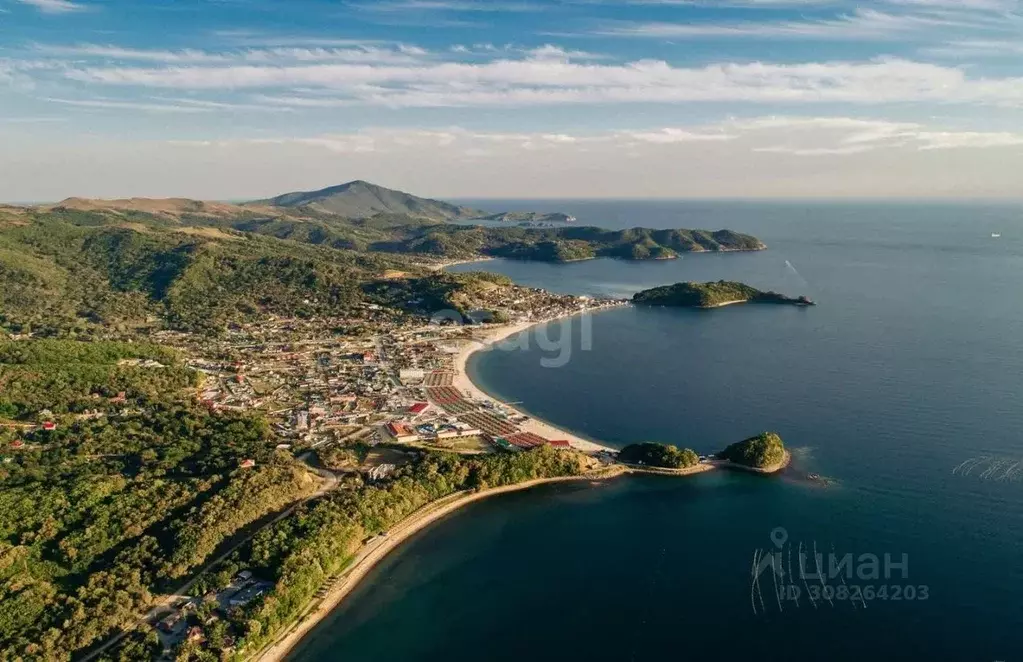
247 464
381 471
49 426
418 408
560 443
167 624
18 444
401 432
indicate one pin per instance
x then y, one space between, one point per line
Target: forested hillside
130 490
126 265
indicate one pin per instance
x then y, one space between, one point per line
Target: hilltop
360 199
764 452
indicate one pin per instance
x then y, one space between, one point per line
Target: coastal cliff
712 295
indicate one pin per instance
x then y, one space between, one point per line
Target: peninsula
712 295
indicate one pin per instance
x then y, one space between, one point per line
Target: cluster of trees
659 455
565 243
697 295
301 552
102 513
69 376
71 272
710 294
764 450
435 292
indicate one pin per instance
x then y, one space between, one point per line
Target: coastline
373 553
537 426
376 550
440 266
766 471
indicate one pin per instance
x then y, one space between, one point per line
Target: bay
910 366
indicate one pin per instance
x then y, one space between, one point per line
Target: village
354 397
368 380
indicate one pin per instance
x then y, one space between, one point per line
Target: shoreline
372 554
441 266
764 471
537 426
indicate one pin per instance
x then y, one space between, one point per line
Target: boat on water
995 235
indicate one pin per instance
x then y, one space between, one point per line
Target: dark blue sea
902 388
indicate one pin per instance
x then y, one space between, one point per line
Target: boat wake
990 467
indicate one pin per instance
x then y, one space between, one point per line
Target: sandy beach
370 555
462 382
440 266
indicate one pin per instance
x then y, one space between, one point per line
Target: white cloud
365 54
993 48
976 5
967 140
860 24
832 136
546 81
798 136
668 136
818 157
447 5
108 104
54 6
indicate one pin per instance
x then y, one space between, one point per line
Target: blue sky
666 98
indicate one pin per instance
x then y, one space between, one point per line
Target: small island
712 295
764 453
658 455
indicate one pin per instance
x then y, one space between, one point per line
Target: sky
240 99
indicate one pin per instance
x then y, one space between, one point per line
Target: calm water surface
910 366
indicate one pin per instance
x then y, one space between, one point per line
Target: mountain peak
362 199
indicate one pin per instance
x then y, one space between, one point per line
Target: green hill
659 455
712 295
361 199
759 452
130 264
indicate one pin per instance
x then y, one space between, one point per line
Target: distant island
712 295
528 217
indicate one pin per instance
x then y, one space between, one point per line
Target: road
166 604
